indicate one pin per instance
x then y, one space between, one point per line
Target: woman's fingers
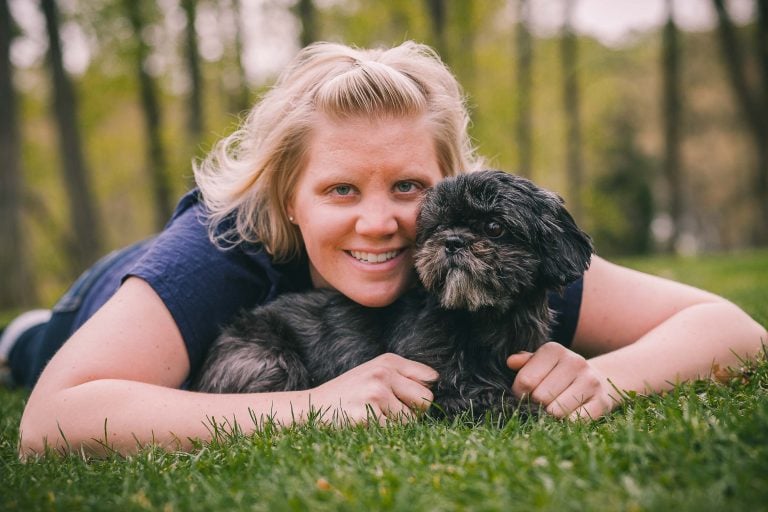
591 410
561 381
557 384
410 369
394 388
533 372
517 361
412 394
566 386
574 397
408 383
389 387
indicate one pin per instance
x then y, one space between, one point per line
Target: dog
489 247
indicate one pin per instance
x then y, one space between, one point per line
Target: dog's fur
489 247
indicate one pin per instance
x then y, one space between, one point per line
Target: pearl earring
290 218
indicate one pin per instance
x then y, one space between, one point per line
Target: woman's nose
377 219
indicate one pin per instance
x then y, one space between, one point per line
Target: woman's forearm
118 415
688 345
104 415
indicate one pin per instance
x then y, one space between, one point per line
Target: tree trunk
241 101
84 218
753 102
195 123
569 56
437 15
524 64
671 113
308 17
465 14
761 137
17 290
156 161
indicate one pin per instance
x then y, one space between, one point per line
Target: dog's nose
454 243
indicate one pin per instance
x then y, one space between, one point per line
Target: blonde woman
320 188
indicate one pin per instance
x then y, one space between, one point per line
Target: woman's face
356 204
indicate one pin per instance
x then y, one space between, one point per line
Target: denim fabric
36 346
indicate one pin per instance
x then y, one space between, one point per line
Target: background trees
752 98
671 110
86 244
18 289
158 82
569 58
156 159
523 112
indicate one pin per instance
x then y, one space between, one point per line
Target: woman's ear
290 211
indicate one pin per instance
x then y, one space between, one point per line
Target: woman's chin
376 297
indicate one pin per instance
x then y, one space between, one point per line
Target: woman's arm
636 332
118 375
645 333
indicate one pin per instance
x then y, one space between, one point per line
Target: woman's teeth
369 257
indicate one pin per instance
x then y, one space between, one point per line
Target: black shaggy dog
489 247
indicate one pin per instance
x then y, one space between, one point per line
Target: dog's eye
493 229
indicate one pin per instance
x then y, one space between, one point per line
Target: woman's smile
374 258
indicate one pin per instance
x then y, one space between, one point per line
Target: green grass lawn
703 446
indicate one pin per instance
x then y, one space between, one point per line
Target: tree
437 17
752 100
82 205
18 288
464 13
524 60
569 59
308 17
242 100
454 24
621 195
156 161
671 107
195 123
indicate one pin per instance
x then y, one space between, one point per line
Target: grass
702 446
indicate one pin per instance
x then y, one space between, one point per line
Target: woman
320 187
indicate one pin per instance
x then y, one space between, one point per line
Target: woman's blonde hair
249 176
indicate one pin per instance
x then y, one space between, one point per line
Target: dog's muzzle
454 244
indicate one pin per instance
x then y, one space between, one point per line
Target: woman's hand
388 386
562 382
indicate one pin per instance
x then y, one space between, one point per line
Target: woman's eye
405 186
342 190
493 229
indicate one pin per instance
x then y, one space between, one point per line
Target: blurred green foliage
620 202
620 105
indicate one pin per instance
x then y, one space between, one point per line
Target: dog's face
485 239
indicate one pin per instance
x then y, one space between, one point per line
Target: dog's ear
565 249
